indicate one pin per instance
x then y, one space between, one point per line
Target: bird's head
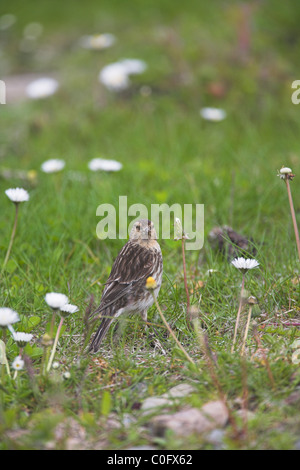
143 231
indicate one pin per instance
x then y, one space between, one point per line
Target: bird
125 290
231 243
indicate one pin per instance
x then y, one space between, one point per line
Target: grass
170 155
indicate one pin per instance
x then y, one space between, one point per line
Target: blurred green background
238 56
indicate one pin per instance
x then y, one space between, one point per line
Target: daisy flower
105 165
22 338
8 317
18 363
97 41
67 309
286 173
114 77
17 195
56 300
285 170
213 114
53 165
42 88
244 264
133 66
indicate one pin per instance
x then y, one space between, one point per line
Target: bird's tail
101 332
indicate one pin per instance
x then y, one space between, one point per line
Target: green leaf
33 351
29 323
106 403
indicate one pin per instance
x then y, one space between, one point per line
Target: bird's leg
151 334
119 328
144 316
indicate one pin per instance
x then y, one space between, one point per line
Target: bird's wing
133 263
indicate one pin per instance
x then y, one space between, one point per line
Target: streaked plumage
125 290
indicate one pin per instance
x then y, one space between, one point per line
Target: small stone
154 402
215 437
212 415
179 391
168 398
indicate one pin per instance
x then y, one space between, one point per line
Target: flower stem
185 281
171 331
238 314
52 323
246 330
13 233
54 345
47 350
293 215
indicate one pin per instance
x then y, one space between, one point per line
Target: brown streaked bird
125 290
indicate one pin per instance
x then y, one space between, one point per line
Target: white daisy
18 363
56 300
105 165
133 66
97 41
17 195
42 88
8 316
67 309
66 375
244 264
213 114
53 165
285 170
22 338
286 173
114 77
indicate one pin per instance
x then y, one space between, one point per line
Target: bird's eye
138 227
